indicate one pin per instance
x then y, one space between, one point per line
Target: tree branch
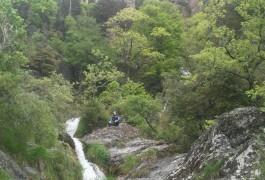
229 53
150 125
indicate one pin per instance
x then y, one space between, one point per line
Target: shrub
150 156
129 163
63 164
37 152
4 175
94 117
211 170
98 154
260 166
143 171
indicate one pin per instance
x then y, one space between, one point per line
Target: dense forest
166 70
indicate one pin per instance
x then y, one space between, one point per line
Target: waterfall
91 171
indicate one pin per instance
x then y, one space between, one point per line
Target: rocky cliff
228 151
9 167
232 149
153 159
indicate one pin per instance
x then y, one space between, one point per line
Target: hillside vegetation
165 73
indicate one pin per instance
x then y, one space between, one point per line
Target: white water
91 171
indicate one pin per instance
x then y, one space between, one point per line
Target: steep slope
228 151
10 167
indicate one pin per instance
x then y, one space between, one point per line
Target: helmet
114 112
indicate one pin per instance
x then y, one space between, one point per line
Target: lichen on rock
232 140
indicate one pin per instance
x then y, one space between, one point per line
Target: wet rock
67 139
230 146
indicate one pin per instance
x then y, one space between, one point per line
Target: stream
91 171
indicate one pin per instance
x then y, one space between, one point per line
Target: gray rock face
231 143
110 135
11 167
126 140
67 139
160 169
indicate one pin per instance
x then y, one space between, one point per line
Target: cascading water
91 171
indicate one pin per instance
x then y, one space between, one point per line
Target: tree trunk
70 7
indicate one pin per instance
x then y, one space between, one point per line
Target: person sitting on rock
115 119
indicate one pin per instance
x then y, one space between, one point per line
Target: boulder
67 139
125 140
229 150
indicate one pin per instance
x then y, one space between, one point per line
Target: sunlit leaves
126 17
11 25
42 11
98 76
258 94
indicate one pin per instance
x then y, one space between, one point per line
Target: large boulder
110 135
11 167
126 140
67 139
228 151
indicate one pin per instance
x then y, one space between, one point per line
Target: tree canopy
163 72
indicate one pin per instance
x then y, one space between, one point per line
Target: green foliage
98 76
11 62
202 71
141 172
136 106
223 64
44 61
211 170
238 55
41 12
182 132
163 26
57 92
30 124
82 38
105 9
260 166
129 162
70 23
57 44
209 123
11 26
111 96
37 37
149 156
141 109
129 43
57 166
93 117
37 152
258 95
98 154
69 7
4 175
119 144
110 178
